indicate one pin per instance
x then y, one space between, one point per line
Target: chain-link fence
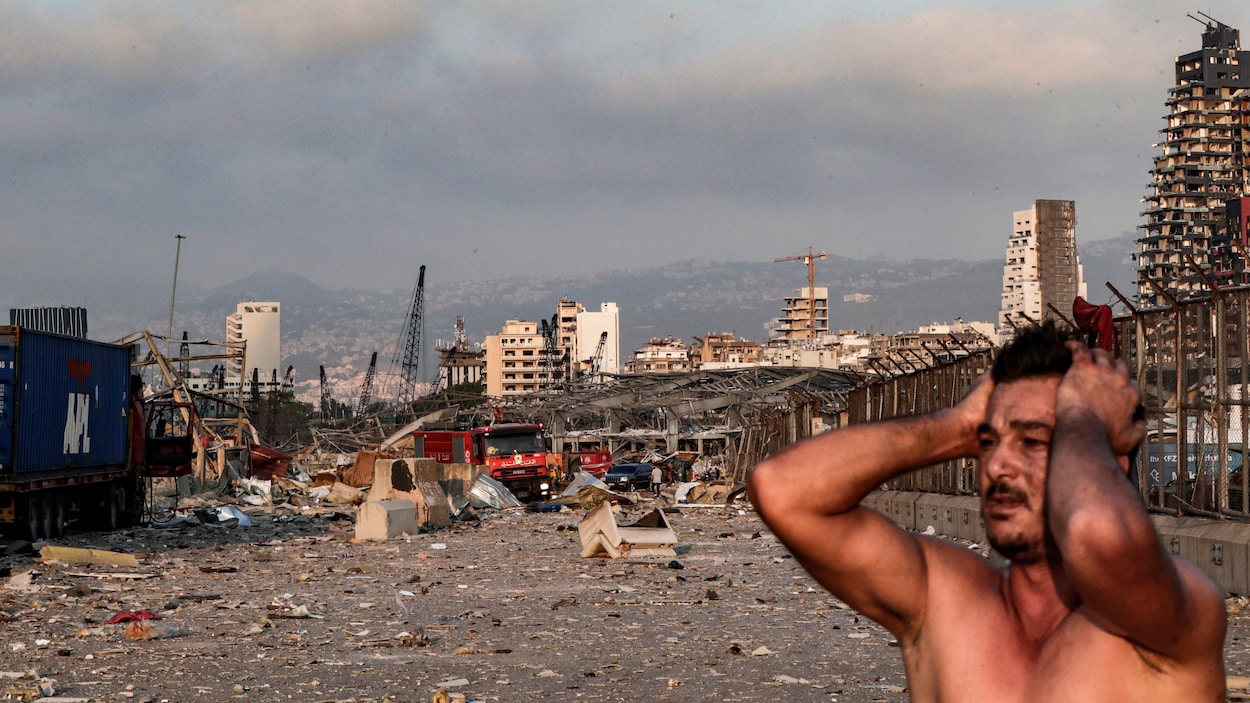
1190 362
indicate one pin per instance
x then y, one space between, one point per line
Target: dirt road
504 610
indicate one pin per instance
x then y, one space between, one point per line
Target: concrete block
904 506
1223 551
381 520
456 480
872 501
885 503
930 512
415 480
968 522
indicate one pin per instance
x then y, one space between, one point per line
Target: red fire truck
594 461
516 454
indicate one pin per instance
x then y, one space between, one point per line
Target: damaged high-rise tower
1042 267
1205 162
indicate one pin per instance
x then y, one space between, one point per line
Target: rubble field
505 609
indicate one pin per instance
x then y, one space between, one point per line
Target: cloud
319 28
483 134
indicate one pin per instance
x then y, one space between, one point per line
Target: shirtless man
1090 606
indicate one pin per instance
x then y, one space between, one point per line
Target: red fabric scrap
132 615
1095 322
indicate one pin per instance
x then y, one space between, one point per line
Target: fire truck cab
517 454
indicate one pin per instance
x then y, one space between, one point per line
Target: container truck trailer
69 422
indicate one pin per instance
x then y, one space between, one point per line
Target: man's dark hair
1036 350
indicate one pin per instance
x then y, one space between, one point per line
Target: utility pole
810 259
173 294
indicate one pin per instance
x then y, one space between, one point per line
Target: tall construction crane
366 388
411 338
325 396
550 331
810 259
184 356
597 358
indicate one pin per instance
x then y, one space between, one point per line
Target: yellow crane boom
810 259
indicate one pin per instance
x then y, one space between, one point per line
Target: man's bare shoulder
957 561
960 580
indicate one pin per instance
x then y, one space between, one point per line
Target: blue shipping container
63 405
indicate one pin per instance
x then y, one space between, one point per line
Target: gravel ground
502 610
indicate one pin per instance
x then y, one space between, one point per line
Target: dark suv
628 476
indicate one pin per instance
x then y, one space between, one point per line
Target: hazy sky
353 142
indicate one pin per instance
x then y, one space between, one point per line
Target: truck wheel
31 523
56 513
46 516
111 512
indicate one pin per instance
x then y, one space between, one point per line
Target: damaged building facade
1042 267
1204 163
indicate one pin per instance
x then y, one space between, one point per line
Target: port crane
409 354
597 357
810 259
325 396
366 387
550 331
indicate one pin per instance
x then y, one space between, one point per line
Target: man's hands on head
1098 386
969 413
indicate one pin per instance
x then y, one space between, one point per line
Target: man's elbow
765 488
1094 536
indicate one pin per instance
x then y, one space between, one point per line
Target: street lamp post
173 294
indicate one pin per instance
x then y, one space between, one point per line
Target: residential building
1204 162
1042 267
588 357
514 360
660 355
723 350
260 326
798 322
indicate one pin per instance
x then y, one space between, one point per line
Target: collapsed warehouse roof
743 413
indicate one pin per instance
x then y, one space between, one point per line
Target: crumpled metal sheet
489 493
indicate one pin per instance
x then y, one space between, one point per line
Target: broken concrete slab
702 494
360 474
75 555
457 480
601 536
381 520
415 480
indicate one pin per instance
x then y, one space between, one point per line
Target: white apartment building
1042 266
260 326
590 328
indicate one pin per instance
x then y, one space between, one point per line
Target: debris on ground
601 536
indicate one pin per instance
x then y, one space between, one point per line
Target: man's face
1015 446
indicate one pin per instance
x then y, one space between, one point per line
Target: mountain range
341 328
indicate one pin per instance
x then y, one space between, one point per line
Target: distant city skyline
352 142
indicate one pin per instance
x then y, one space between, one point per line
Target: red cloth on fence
1095 322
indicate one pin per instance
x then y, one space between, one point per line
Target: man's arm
1109 547
809 496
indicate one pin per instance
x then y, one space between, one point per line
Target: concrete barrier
415 480
1221 549
380 520
456 480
